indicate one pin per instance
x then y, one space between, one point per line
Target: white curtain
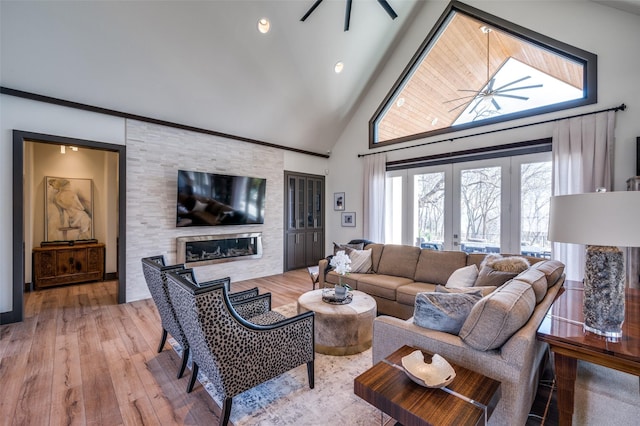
582 162
375 167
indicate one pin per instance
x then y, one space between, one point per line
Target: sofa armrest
390 333
322 267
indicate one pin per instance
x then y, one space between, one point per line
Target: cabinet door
314 203
295 251
314 250
296 211
72 261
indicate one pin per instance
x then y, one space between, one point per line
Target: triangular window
475 69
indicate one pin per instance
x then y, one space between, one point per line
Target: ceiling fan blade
523 98
387 7
491 82
310 11
457 99
475 106
512 83
495 104
461 105
520 88
347 15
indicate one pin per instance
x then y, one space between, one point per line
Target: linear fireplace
207 249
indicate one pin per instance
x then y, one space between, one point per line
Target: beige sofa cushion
399 260
383 286
376 254
537 280
406 294
495 318
437 266
552 269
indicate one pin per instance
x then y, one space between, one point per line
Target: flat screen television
209 199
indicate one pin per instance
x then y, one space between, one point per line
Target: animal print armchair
237 354
155 271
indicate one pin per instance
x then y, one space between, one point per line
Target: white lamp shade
596 218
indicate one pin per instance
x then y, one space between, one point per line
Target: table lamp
603 221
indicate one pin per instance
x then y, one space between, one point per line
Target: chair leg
163 340
226 411
185 358
194 376
310 374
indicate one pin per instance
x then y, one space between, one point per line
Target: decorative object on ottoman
603 221
435 375
342 265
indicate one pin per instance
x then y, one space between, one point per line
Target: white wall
607 32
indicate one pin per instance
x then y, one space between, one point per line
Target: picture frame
338 201
349 219
68 209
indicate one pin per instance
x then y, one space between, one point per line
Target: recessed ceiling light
338 67
264 25
400 102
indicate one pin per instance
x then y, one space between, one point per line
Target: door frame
18 241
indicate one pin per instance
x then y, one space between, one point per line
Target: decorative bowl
435 375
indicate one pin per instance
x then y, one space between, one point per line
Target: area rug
602 395
287 399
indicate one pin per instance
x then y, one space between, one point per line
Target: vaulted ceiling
204 64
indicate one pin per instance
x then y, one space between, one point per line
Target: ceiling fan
347 14
486 97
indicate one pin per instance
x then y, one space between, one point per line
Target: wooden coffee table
468 400
563 330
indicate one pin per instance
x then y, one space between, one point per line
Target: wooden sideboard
67 264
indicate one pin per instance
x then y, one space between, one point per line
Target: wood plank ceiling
458 61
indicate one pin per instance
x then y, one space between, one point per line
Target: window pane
429 210
393 210
535 192
480 197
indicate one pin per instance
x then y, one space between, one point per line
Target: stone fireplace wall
154 156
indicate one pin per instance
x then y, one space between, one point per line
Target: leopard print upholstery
237 355
155 273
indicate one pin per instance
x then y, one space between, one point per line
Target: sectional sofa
497 339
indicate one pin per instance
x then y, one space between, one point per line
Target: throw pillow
495 318
443 311
483 290
490 277
343 247
360 260
463 277
515 264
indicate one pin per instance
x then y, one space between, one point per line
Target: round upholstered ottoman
340 329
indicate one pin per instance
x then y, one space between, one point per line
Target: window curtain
375 168
582 149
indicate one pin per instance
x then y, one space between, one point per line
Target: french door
493 205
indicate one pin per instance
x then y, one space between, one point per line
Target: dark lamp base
604 291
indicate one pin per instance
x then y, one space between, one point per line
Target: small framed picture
348 219
338 200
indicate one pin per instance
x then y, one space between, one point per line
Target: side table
562 329
468 400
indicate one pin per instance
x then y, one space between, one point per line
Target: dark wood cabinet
304 220
67 264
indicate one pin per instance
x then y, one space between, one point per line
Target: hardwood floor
79 358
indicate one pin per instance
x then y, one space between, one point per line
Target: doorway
21 229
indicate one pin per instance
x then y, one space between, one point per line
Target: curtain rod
620 107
